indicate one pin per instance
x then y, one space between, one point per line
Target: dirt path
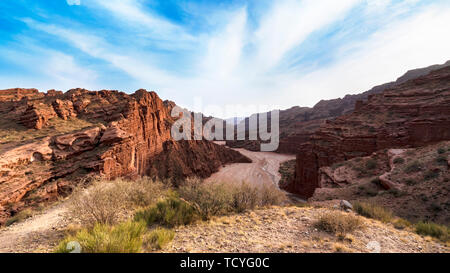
264 168
39 233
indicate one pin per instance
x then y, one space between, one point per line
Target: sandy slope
39 233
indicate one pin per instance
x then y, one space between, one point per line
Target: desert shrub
122 238
397 192
441 160
245 197
400 223
338 223
431 174
144 191
371 164
399 160
108 202
271 195
413 167
19 217
159 238
170 212
434 230
373 211
210 199
441 150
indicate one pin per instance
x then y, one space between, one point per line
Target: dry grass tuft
338 223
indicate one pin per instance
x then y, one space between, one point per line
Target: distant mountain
298 123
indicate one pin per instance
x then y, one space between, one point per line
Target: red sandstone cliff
411 114
48 141
297 124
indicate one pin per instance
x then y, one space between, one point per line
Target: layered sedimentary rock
411 114
109 133
297 124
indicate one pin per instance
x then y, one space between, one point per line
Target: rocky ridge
51 140
412 114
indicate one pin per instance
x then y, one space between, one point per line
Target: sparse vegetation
400 223
399 160
338 223
122 238
159 238
169 212
212 199
413 167
431 174
434 230
287 170
108 202
371 164
441 160
373 211
19 217
441 150
337 165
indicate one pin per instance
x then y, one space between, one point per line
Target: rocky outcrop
411 114
297 124
126 135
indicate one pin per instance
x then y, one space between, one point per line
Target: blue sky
273 53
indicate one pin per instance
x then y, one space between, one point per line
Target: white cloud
238 61
133 12
290 22
73 2
412 42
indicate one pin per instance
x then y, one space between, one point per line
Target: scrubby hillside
414 183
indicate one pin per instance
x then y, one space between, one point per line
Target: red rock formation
131 137
412 114
297 124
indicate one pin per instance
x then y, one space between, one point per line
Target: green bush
169 212
159 238
338 223
373 211
122 238
441 150
434 230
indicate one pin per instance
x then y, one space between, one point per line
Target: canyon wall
49 141
411 114
297 124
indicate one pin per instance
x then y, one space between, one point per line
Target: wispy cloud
73 2
287 52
